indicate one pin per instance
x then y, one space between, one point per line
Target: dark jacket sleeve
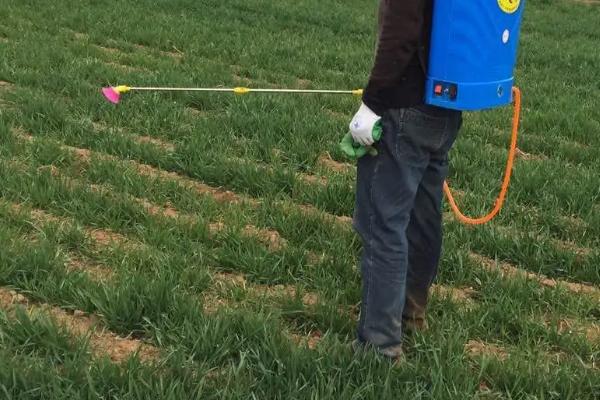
400 29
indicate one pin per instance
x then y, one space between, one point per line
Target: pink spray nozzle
111 94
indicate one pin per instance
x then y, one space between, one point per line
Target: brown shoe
395 354
412 325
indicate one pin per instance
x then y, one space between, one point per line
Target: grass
208 227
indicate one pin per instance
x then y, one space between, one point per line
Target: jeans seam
370 244
401 124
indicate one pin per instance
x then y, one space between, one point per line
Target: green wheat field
199 246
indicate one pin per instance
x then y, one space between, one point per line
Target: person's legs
387 185
424 233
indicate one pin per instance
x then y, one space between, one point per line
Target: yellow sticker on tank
509 6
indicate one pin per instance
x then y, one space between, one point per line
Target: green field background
257 160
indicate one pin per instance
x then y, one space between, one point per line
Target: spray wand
348 145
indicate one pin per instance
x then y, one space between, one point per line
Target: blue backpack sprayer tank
473 53
472 58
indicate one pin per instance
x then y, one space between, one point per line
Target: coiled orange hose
507 174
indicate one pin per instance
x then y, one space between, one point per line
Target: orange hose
507 174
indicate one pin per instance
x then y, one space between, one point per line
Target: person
399 190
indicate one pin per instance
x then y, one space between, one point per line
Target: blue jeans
398 217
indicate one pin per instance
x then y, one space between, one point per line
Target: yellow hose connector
122 89
241 90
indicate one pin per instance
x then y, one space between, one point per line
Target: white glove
361 126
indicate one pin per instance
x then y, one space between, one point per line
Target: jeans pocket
419 136
420 118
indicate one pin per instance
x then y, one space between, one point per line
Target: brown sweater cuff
379 98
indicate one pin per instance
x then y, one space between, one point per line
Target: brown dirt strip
510 271
591 331
178 54
102 342
97 272
163 145
102 127
124 67
85 156
166 210
326 162
98 237
239 80
579 252
111 51
215 299
574 222
196 112
303 83
84 37
477 349
220 195
570 222
309 179
272 239
521 155
570 247
570 143
103 237
462 296
80 36
169 147
310 341
217 296
337 115
5 86
310 210
312 179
